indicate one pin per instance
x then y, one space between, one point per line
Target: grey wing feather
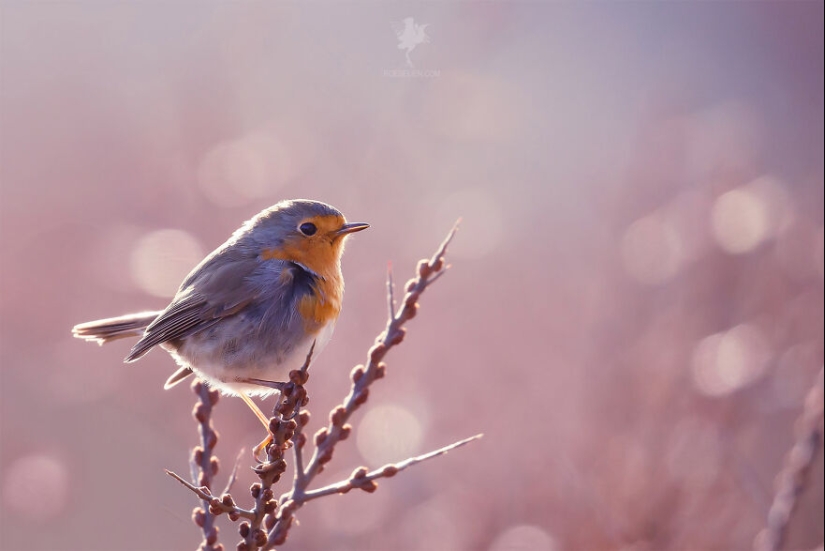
219 287
177 321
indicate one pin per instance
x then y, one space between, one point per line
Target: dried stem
794 474
210 500
234 475
203 465
390 292
362 479
299 439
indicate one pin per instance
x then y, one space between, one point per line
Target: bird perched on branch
253 309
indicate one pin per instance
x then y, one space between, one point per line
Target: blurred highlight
726 362
388 433
524 538
36 487
161 259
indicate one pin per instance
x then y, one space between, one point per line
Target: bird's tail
105 330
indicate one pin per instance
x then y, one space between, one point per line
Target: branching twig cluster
267 523
792 478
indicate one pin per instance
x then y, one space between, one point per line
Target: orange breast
323 305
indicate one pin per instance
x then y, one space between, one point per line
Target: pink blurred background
633 316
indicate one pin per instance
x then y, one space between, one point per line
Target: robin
253 309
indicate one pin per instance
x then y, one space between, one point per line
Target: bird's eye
308 228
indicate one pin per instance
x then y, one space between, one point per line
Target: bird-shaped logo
409 36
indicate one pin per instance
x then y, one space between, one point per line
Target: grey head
273 225
308 233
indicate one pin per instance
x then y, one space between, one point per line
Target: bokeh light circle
652 250
162 259
482 226
389 433
36 487
740 221
235 172
725 362
524 537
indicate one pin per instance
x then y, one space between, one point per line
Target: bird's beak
351 228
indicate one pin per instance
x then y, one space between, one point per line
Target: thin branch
285 432
437 276
308 359
203 465
794 474
299 440
442 249
234 474
390 292
361 477
213 502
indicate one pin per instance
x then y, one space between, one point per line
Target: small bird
253 309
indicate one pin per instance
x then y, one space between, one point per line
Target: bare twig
285 432
282 427
363 480
299 438
211 501
794 474
234 474
390 292
203 465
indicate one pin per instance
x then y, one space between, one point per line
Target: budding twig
390 292
212 502
203 465
234 474
299 439
364 480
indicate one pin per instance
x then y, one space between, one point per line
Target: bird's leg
264 421
276 385
256 410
